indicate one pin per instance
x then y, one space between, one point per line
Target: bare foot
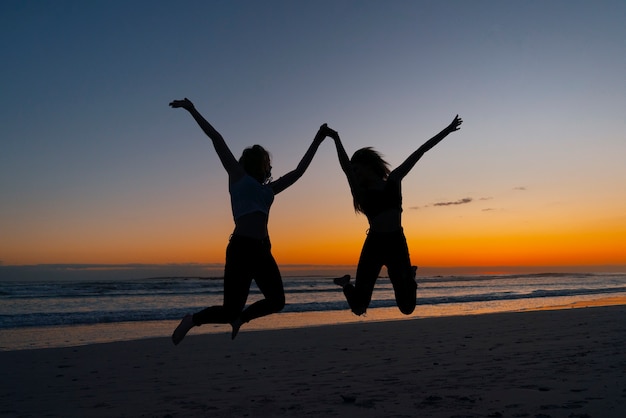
182 329
342 281
236 324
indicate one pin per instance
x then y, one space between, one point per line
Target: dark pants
247 259
383 249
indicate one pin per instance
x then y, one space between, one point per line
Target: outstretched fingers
456 123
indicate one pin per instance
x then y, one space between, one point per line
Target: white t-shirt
248 195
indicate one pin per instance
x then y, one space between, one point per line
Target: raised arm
344 161
292 176
230 163
404 168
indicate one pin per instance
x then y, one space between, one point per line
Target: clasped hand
185 104
325 131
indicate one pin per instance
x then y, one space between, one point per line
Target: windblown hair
372 159
254 160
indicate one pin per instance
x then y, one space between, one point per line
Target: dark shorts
247 259
383 249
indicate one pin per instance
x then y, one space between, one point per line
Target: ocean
35 314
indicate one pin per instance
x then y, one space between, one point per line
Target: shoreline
549 363
145 271
80 335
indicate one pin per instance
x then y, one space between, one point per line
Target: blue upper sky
95 167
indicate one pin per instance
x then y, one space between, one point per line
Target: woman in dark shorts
376 192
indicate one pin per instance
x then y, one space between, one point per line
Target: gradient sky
96 168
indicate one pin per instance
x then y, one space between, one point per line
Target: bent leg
402 275
359 296
270 283
405 289
237 280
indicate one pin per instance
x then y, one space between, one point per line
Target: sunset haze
95 168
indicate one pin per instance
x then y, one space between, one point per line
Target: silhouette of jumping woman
248 254
377 194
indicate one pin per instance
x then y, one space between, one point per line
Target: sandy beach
552 363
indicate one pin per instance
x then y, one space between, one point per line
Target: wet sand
550 363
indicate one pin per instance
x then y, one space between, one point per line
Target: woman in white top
248 254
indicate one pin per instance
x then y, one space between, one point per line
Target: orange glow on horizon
309 245
574 247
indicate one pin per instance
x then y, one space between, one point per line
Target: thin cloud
463 201
522 188
455 202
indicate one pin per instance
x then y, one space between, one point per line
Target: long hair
373 160
255 160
